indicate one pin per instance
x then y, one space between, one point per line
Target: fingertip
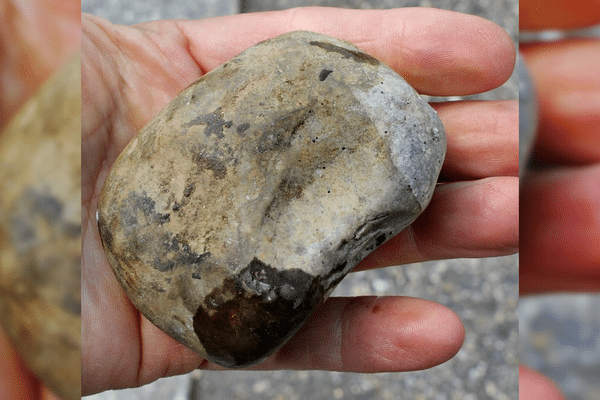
463 54
435 333
373 334
399 334
567 82
533 386
445 61
480 219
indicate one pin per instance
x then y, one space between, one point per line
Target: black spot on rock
243 128
213 121
324 74
177 253
138 209
29 210
48 206
253 313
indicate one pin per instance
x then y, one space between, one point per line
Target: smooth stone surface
235 212
40 231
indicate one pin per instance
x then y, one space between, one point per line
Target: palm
129 74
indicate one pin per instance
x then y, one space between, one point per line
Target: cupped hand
130 73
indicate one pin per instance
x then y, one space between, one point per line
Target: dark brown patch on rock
253 313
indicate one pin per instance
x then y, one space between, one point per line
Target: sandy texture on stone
237 210
40 231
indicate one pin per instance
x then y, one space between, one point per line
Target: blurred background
483 292
559 335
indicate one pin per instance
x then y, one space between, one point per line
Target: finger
547 14
483 139
464 219
162 355
439 52
371 334
140 352
35 39
109 321
560 229
568 84
48 395
539 281
534 386
180 51
15 382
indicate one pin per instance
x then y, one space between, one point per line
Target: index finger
439 52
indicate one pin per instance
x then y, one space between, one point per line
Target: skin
36 38
16 382
130 73
557 14
560 207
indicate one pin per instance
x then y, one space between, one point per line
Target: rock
40 231
235 212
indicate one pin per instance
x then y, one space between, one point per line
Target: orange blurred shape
559 14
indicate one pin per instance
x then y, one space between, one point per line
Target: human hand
36 38
560 207
130 73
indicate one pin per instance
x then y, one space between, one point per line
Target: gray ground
483 292
560 336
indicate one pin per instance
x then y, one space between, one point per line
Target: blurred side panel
40 231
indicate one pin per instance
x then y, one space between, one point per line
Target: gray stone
238 209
